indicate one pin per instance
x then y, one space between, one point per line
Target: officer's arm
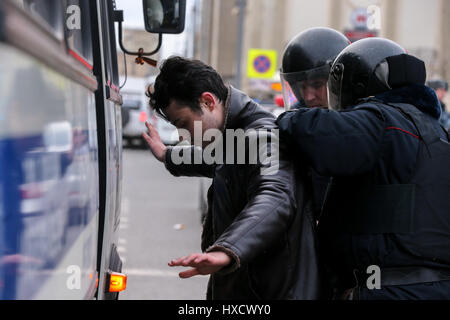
335 143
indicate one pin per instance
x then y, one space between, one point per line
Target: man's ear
208 100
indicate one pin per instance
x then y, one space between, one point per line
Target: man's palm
202 263
154 141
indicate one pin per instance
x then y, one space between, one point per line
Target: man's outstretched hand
201 263
154 141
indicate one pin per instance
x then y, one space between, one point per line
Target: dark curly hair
184 80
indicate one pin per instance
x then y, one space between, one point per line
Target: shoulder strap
421 121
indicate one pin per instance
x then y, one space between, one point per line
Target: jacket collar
420 96
234 106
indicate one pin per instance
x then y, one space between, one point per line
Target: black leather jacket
264 222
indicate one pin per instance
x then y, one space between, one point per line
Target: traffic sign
261 63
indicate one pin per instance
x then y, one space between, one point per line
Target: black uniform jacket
375 147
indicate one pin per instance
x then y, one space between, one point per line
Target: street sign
261 63
359 18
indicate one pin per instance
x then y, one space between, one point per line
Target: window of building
49 12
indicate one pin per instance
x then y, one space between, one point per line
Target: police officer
306 64
385 227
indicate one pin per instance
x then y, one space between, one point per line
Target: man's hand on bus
201 263
154 141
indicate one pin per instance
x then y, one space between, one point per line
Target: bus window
112 43
78 28
109 39
47 11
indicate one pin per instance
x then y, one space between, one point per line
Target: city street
160 221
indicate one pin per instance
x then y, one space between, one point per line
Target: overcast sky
132 13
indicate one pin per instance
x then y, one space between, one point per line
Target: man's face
314 93
184 118
440 92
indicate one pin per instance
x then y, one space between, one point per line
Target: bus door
110 137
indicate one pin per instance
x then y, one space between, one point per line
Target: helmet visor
334 87
289 98
294 83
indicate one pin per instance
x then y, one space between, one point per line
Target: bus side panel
49 203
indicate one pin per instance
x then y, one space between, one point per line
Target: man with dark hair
258 236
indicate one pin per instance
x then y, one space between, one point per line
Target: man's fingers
190 259
151 129
201 259
146 136
200 263
177 262
184 261
189 273
148 125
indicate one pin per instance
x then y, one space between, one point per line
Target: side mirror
164 16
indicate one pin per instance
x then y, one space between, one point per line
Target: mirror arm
118 17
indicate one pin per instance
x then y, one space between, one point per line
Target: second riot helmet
368 67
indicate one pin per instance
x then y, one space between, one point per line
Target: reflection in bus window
48 11
155 13
162 16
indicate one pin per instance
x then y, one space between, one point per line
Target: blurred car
275 106
167 132
134 115
133 119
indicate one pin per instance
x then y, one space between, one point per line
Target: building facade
421 27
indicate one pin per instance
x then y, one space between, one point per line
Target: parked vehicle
61 149
135 111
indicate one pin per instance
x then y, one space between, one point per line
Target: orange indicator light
117 282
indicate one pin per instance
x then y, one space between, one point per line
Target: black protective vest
416 213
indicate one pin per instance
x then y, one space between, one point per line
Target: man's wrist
235 262
162 158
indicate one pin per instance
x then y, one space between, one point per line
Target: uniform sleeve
335 143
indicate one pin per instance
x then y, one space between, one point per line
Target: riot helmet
368 67
306 63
